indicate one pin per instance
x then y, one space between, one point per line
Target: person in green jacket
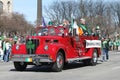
84 27
105 49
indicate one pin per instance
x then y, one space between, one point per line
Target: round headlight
46 47
17 47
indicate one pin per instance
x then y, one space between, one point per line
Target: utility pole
39 12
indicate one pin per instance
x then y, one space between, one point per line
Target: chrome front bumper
31 58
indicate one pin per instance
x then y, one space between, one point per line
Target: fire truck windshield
51 31
47 31
43 32
60 31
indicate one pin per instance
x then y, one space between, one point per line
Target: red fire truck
55 46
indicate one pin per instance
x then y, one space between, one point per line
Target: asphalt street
109 70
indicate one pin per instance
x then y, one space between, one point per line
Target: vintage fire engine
56 47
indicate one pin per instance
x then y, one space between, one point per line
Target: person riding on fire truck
84 27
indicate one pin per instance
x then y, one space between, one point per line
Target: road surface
109 70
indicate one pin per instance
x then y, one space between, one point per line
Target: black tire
59 64
20 66
93 60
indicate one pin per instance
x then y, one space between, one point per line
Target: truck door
78 46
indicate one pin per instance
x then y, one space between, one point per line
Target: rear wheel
20 66
93 60
58 65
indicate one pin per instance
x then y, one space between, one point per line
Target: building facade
6 7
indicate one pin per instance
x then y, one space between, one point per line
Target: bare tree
16 23
61 10
116 12
96 12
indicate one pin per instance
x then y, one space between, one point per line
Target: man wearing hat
84 27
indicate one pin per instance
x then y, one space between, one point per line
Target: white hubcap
59 61
95 57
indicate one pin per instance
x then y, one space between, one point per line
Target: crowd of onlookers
114 44
6 42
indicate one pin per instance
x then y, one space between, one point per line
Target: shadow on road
48 68
36 69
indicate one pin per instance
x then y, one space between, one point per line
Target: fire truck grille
31 45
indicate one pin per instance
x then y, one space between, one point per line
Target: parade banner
93 43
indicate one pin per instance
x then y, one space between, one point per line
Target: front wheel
58 65
20 66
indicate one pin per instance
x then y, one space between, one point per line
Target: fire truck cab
55 46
